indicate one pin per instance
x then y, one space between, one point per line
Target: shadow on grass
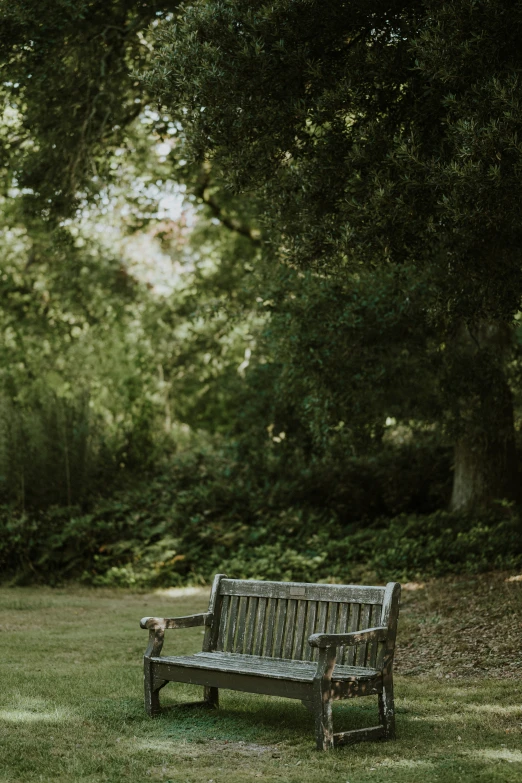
435 714
446 732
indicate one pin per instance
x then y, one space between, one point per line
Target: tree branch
201 192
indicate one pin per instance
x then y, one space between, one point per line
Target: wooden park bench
313 642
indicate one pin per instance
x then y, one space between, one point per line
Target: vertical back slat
320 623
311 616
364 623
260 626
349 654
344 610
299 637
270 620
280 627
375 621
225 619
288 642
241 624
333 611
342 624
250 626
232 624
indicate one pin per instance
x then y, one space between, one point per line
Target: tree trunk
485 468
485 463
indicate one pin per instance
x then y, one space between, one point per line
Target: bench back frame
275 619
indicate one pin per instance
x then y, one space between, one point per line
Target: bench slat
320 624
231 629
331 625
280 628
250 626
344 612
224 619
364 622
311 616
375 621
260 626
269 667
289 628
241 624
349 653
303 590
270 619
299 638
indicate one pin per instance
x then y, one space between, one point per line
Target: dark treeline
260 289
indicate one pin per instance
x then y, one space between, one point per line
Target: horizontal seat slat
302 591
275 668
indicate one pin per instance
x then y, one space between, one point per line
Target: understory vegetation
207 514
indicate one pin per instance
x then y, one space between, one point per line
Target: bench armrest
348 639
172 623
157 626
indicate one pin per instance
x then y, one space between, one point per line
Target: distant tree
70 93
380 136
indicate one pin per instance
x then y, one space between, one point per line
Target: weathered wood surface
341 639
316 643
248 682
321 700
277 668
359 735
312 592
174 623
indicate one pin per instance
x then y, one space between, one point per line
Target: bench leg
323 723
387 710
211 697
322 699
324 726
152 689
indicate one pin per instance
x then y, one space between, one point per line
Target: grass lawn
71 696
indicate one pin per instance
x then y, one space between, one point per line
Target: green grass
71 705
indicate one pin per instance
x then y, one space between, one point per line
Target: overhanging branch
201 192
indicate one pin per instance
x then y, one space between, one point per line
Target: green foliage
259 379
207 513
379 134
75 403
378 139
67 77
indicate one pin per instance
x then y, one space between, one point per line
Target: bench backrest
275 619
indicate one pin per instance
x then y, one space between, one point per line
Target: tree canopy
380 135
266 260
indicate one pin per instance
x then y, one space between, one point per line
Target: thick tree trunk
485 464
486 467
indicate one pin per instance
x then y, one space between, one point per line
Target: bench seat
274 668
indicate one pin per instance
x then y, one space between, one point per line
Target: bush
208 513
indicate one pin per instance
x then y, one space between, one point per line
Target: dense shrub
207 513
